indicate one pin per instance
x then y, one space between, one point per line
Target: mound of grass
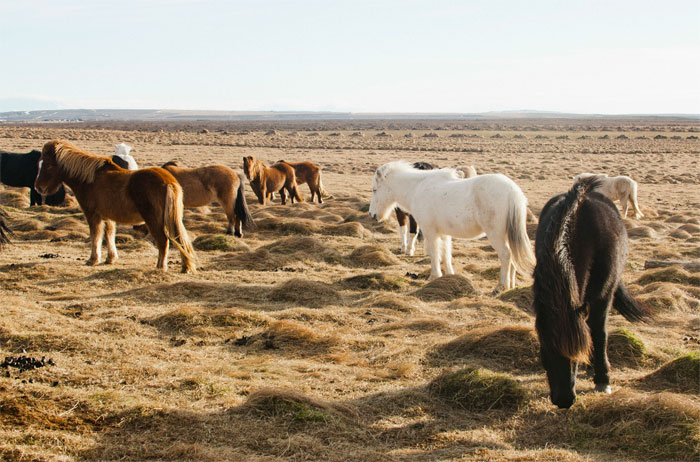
304 292
674 274
290 335
372 256
294 406
682 375
353 229
445 289
191 320
373 281
508 348
626 349
284 226
418 325
28 224
405 304
211 242
479 390
665 297
521 297
640 232
305 247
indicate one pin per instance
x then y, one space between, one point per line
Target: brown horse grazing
265 180
309 173
108 194
5 231
203 185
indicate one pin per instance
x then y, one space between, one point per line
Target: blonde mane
256 168
77 163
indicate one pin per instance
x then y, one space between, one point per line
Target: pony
203 185
467 171
123 158
581 248
19 170
265 180
108 194
5 231
446 205
309 173
622 188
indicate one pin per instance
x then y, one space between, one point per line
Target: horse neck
403 183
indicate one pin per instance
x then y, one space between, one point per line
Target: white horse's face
382 200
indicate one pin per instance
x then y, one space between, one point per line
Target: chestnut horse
108 194
203 185
309 173
265 180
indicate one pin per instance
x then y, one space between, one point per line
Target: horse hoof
91 262
497 291
603 388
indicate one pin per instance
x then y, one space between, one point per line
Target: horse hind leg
110 234
96 230
624 201
505 279
414 230
447 254
596 322
432 248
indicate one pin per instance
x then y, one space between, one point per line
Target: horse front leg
96 229
432 248
34 197
110 234
447 254
596 322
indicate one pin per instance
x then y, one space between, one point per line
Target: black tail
630 308
240 208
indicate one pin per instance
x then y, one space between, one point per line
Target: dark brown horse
309 173
108 194
203 185
581 249
265 180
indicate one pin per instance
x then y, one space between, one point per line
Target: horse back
306 172
19 170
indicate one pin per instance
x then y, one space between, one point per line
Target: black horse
581 249
20 171
408 241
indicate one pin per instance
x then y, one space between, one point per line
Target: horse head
50 176
382 199
561 376
252 168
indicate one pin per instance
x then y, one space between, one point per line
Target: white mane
123 151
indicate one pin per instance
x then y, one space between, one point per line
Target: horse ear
381 172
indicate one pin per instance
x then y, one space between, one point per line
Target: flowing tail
630 308
174 228
633 198
324 194
518 240
240 208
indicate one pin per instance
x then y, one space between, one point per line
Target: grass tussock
479 390
680 375
666 297
284 226
372 256
305 292
304 248
508 348
294 406
289 335
212 242
674 274
373 281
626 349
400 303
352 229
446 288
15 199
195 320
418 325
521 297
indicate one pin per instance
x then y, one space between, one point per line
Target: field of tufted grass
309 338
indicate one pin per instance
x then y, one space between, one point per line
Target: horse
581 248
5 231
19 170
446 205
123 158
265 180
309 173
108 194
467 171
203 185
622 188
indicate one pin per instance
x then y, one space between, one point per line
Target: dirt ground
312 338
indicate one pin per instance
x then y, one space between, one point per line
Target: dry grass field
309 339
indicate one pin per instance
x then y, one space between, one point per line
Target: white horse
622 188
122 153
447 205
409 229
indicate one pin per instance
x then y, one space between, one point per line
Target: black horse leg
597 320
34 197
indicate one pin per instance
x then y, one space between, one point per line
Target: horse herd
580 246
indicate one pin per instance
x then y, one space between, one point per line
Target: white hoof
603 388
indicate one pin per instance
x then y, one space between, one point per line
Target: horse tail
518 240
633 198
630 308
555 277
240 208
324 194
175 229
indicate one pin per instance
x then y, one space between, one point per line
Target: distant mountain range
96 115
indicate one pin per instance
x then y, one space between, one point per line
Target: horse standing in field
265 180
203 185
581 248
446 205
309 173
617 188
20 170
123 158
108 194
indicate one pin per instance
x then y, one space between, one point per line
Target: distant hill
97 115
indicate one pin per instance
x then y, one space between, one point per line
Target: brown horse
203 185
265 180
309 173
108 194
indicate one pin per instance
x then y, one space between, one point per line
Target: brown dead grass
446 288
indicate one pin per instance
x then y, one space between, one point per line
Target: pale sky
605 57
